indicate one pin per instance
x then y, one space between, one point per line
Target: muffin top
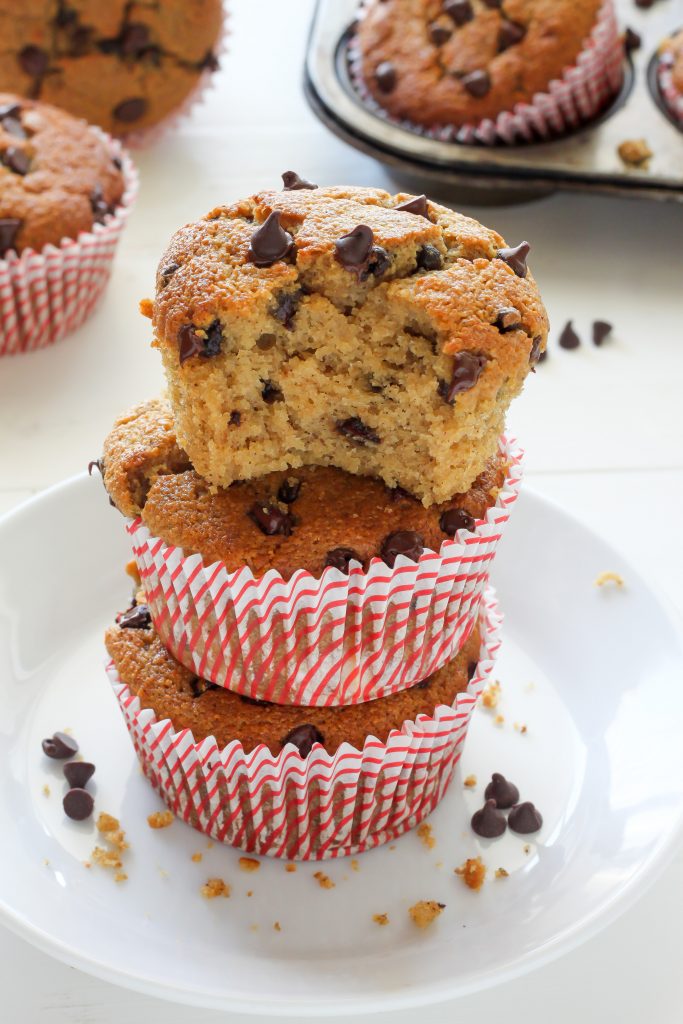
57 176
454 62
673 48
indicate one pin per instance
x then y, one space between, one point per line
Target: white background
602 430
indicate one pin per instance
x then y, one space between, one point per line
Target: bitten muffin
173 692
456 62
384 335
671 61
289 520
121 65
57 176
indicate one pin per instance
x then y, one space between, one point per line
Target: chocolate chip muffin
122 65
173 692
670 75
457 62
307 519
381 334
57 176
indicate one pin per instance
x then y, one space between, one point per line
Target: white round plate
593 673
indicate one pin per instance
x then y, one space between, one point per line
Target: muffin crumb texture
214 888
425 912
472 872
160 819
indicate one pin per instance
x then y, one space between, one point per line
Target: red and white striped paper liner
672 97
45 295
579 95
323 806
326 641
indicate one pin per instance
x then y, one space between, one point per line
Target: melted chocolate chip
130 110
503 793
471 669
536 355
439 34
418 206
33 61
303 738
508 319
292 182
137 617
255 701
167 272
78 773
488 822
271 520
385 76
402 542
601 328
288 491
353 250
201 686
356 430
467 368
9 228
524 819
60 746
340 558
199 341
477 83
271 393
16 160
378 263
270 242
459 10
429 258
134 39
569 339
287 305
78 804
99 206
454 519
516 257
632 41
510 34
235 418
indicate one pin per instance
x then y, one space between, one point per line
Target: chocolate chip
356 430
379 262
454 519
287 305
265 342
459 10
34 61
477 83
303 738
632 41
467 368
429 258
503 793
402 542
130 110
134 39
516 257
167 272
385 76
14 127
60 746
9 228
80 40
510 34
98 464
569 339
417 205
16 160
235 418
288 491
536 355
201 686
488 822
292 182
471 669
270 242
209 62
439 34
271 393
9 110
508 319
340 558
494 4
423 685
78 773
353 250
117 162
271 520
524 819
199 341
400 494
255 701
78 804
137 617
601 328
99 206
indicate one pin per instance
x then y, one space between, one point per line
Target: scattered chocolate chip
417 205
270 242
9 228
271 520
353 250
134 39
14 127
271 393
340 558
536 355
286 307
488 822
98 204
467 368
288 491
235 418
78 773
429 258
167 272
33 61
471 669
601 328
292 182
524 819
356 430
137 617
439 34
130 110
9 110
60 746
303 738
569 339
454 519
516 257
385 76
510 34
16 160
632 41
201 686
477 83
199 341
255 701
503 793
459 10
508 319
402 542
209 62
78 804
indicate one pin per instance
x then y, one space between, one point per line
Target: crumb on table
107 822
502 873
426 835
215 887
472 872
323 880
470 781
355 866
277 926
380 919
249 864
107 858
609 577
120 876
196 857
291 868
634 152
424 912
160 819
491 695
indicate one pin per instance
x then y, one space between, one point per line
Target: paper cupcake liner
45 295
326 641
323 806
579 95
671 97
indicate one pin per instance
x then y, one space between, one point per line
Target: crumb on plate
426 835
215 887
323 880
355 866
424 912
291 868
46 790
491 695
196 857
380 919
277 927
120 876
634 152
249 864
160 819
502 873
609 577
470 781
472 872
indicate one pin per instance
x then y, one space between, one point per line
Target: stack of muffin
314 510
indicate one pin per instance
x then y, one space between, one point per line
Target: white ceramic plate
594 674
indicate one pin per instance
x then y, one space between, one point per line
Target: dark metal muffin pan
587 159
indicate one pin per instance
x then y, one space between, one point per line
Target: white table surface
602 429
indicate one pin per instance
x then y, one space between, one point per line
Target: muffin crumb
355 866
323 880
609 577
635 152
291 868
214 888
520 728
472 872
381 919
160 819
120 876
277 927
249 864
426 835
196 857
499 720
502 873
424 912
491 695
46 790
470 781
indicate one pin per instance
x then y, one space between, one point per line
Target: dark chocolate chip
10 110
352 250
510 34
471 669
33 61
536 355
423 685
209 62
601 328
292 182
271 520
288 491
117 162
400 494
98 464
467 368
402 542
495 5
60 746
266 341
78 804
78 773
137 617
16 160
524 819
439 34
477 83
503 793
454 519
459 10
303 738
271 393
379 262
193 343
645 4
201 686
429 258
98 204
287 305
167 272
14 127
130 110
270 242
80 40
9 228
385 76
356 430
418 206
488 822
255 701
508 319
516 257
569 339
235 418
340 558
632 41
134 39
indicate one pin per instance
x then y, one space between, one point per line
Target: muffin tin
587 159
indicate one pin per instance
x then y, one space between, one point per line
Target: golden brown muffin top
674 48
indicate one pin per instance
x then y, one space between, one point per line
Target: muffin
670 75
122 66
382 335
